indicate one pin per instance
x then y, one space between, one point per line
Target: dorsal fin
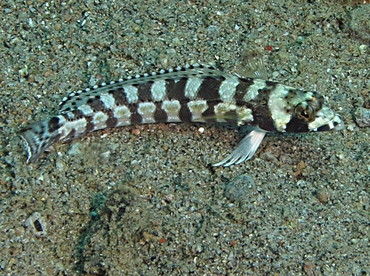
80 97
251 65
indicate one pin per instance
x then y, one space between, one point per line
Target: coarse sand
144 200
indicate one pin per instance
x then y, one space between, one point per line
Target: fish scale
183 95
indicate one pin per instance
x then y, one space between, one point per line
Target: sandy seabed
144 200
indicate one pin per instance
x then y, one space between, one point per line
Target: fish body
183 95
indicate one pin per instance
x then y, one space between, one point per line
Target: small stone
75 149
269 156
23 73
359 23
351 127
37 224
105 155
240 189
286 159
363 49
135 131
362 117
323 197
136 28
176 41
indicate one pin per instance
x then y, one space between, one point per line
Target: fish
188 94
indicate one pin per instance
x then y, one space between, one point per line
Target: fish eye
305 113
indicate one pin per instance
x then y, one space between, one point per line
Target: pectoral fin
245 150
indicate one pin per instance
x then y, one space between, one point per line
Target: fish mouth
334 124
326 120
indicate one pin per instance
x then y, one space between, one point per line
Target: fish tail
39 136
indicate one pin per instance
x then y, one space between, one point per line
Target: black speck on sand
144 200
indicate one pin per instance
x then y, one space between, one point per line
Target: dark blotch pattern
184 113
209 88
296 125
111 122
119 96
90 125
144 91
176 90
210 112
262 117
53 124
77 115
96 104
242 88
160 115
325 128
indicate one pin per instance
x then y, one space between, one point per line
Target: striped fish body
184 95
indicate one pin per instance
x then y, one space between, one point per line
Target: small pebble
362 117
135 131
37 224
269 156
75 149
322 197
363 49
240 188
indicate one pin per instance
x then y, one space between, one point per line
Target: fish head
294 110
309 112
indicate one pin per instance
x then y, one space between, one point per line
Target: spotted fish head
302 111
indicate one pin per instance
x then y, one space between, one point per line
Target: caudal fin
41 135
